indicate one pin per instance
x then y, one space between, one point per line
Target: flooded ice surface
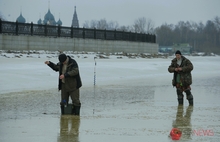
133 100
112 113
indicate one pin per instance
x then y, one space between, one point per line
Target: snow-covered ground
132 99
22 71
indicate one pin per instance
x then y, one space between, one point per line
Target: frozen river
129 108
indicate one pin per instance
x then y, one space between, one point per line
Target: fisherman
181 68
69 81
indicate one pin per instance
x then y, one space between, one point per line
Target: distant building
59 22
21 19
40 21
165 49
75 21
185 48
49 19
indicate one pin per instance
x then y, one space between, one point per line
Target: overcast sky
125 12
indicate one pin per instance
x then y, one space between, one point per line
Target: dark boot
63 104
189 97
62 109
179 96
76 110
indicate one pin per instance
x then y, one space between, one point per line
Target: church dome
21 19
59 22
39 21
49 18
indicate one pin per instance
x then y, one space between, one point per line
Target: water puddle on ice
112 113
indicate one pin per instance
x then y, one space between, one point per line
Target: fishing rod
94 85
95 71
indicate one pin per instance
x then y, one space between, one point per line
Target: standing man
69 81
182 78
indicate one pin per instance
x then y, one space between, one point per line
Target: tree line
202 37
141 25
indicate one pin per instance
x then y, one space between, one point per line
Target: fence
16 28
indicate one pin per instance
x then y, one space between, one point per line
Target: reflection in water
183 122
69 128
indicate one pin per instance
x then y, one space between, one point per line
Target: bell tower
75 21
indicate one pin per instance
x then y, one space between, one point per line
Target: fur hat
62 58
178 52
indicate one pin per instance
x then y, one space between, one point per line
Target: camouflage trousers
182 88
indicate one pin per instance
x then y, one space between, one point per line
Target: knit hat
62 58
178 52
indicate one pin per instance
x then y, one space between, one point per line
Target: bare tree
86 24
93 24
102 24
217 22
165 35
150 26
112 25
126 28
142 25
217 25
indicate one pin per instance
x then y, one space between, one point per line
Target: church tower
21 19
49 19
75 21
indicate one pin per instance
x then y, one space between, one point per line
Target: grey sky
125 12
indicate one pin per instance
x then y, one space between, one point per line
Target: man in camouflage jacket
181 68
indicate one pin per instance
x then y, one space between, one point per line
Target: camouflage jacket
185 74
